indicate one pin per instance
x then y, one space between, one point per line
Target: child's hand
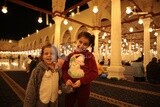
77 84
69 82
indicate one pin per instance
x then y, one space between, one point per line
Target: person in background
27 62
78 70
43 85
158 72
138 68
152 71
100 68
18 58
33 64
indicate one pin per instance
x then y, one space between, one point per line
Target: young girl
42 89
79 69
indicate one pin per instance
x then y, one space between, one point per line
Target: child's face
82 44
49 55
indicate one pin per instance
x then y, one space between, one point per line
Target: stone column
146 24
57 34
96 51
130 52
158 45
106 52
115 70
58 6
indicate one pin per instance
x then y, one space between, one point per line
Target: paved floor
104 92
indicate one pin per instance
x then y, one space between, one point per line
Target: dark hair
48 45
90 37
154 59
140 59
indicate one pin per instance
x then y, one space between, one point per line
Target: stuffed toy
76 61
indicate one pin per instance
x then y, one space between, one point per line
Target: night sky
21 21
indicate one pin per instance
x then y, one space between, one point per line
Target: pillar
146 24
115 70
57 34
130 52
158 45
96 51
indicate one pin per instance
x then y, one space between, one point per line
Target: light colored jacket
138 69
32 91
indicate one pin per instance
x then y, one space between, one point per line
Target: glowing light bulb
4 9
131 29
155 34
140 21
40 20
10 41
150 29
70 28
95 9
65 22
128 10
72 14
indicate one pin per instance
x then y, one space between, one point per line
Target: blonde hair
48 45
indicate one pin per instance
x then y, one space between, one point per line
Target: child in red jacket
79 69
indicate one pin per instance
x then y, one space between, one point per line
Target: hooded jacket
32 97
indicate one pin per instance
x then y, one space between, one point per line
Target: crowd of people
152 73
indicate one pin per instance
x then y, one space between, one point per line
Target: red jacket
90 68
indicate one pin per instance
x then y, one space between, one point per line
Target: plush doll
76 61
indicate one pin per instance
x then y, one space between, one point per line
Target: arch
27 46
46 40
40 41
52 41
39 45
66 37
105 21
34 45
30 46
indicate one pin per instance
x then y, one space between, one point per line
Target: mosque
124 31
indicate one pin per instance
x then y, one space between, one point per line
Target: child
42 89
100 68
79 69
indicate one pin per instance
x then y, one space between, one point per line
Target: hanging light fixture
105 34
140 21
128 10
37 31
70 28
78 10
156 34
4 9
40 19
103 37
72 14
65 22
10 41
95 9
131 29
50 24
150 29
